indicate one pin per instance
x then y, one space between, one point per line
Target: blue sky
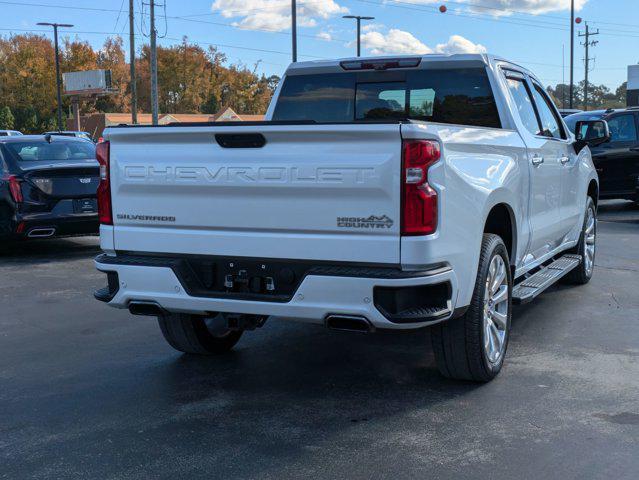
531 32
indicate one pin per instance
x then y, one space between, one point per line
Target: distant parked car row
564 112
71 133
62 133
48 186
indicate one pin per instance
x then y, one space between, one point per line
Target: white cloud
369 27
394 42
397 41
459 44
505 7
324 36
275 14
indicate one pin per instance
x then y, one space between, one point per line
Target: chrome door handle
564 160
537 160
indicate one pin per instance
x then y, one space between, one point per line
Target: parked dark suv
48 187
616 161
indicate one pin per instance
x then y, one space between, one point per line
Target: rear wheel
473 346
197 334
587 247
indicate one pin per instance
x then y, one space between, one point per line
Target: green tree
621 92
27 120
7 120
560 94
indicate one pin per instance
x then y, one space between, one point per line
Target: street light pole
154 66
58 80
134 90
572 48
359 19
294 29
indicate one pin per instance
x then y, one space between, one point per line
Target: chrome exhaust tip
349 323
148 309
41 232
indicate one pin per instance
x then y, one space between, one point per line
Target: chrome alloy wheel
590 233
496 309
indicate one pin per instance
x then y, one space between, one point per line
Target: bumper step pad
529 288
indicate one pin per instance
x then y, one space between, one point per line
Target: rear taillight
14 188
104 188
419 199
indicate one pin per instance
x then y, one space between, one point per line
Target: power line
266 30
194 42
395 3
117 20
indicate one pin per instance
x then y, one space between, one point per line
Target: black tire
581 275
458 344
191 334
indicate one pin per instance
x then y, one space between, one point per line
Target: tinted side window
550 126
524 103
460 96
622 128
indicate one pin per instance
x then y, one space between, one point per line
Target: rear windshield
56 151
456 96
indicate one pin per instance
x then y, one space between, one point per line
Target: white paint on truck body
175 190
284 200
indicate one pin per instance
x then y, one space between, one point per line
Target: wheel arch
501 221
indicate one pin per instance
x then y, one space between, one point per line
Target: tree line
599 96
190 80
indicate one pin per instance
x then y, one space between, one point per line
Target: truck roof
443 60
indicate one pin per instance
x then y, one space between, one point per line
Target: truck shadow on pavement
302 374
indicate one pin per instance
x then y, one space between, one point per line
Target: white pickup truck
385 193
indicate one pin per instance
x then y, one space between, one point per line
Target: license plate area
85 205
244 278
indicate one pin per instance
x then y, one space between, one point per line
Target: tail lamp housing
14 188
419 199
105 214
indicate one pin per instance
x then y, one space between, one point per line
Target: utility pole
154 65
572 49
563 76
294 28
134 89
587 43
58 80
359 29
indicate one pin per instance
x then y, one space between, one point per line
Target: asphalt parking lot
87 391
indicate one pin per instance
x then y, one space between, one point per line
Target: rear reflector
104 188
381 63
14 188
419 199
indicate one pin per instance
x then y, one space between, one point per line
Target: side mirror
591 133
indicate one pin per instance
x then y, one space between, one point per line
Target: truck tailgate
317 192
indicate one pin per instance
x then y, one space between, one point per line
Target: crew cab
380 193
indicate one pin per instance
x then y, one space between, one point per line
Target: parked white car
386 193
